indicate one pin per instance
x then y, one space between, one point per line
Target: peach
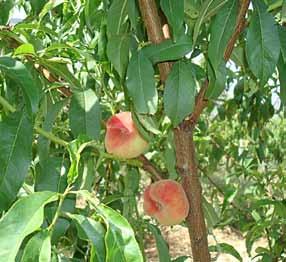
166 201
122 138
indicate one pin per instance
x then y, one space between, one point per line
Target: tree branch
148 166
14 43
183 134
153 25
240 24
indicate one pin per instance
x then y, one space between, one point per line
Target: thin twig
148 166
240 25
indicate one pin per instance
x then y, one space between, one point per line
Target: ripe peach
166 201
122 138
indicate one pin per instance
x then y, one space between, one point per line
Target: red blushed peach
122 138
166 201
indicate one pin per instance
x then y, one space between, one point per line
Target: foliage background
69 65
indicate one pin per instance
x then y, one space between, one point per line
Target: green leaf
283 12
88 173
282 79
52 110
60 69
170 156
92 15
216 81
144 132
118 52
209 7
38 248
121 245
174 11
16 155
168 50
19 73
131 186
282 36
48 176
85 114
23 218
222 29
227 249
210 214
75 149
133 15
141 84
238 56
25 49
92 231
180 91
262 43
162 247
5 7
37 5
149 123
48 7
33 26
116 17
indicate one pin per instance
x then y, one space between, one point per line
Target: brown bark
153 25
149 167
240 24
185 150
183 134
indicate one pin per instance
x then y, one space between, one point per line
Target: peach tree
119 116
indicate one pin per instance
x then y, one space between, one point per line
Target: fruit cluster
164 200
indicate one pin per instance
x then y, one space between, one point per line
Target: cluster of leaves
69 65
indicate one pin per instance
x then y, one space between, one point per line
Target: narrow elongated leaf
120 240
16 155
282 79
49 175
221 30
210 214
92 15
85 114
163 250
92 231
38 248
133 13
282 36
37 5
180 91
23 218
174 11
141 84
226 249
283 12
118 52
52 110
19 73
168 50
5 7
25 49
207 8
262 43
216 81
34 26
61 70
49 6
116 17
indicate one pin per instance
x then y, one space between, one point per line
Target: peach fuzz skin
122 138
166 201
